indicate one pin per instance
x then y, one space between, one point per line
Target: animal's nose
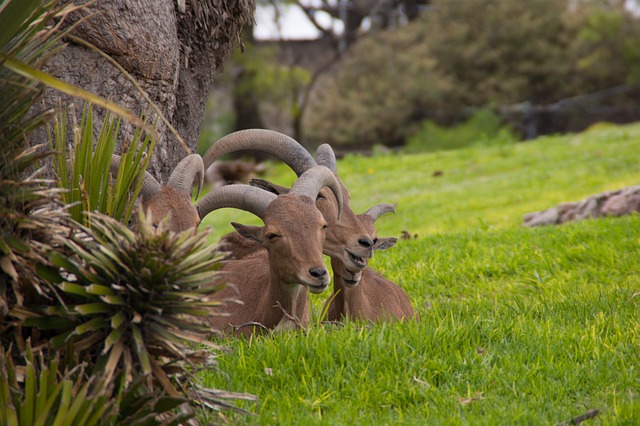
318 272
365 242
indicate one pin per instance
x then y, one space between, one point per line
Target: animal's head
294 229
171 205
368 220
346 239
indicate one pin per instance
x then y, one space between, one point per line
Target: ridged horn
190 168
270 142
150 185
314 179
379 209
326 157
238 196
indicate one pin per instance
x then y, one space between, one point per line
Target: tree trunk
172 48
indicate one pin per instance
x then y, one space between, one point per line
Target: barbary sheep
368 295
346 238
171 202
272 283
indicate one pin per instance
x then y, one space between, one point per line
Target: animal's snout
318 272
365 242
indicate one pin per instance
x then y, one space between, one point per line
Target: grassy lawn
518 325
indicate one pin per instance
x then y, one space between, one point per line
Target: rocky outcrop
610 203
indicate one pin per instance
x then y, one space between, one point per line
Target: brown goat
272 283
368 295
222 173
346 238
171 202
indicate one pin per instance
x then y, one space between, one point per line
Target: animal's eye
272 236
321 197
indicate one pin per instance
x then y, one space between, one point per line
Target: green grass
518 326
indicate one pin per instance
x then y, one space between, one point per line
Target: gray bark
173 49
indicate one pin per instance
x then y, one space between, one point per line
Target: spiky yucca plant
83 166
49 398
30 217
135 304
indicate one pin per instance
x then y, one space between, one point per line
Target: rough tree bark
173 48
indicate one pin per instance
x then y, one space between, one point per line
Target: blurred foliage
218 121
608 46
374 90
482 128
270 79
473 53
255 73
49 398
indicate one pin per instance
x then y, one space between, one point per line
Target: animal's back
238 247
387 299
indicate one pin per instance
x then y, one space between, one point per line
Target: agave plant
46 398
29 211
135 304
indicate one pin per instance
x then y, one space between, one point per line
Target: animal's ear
268 186
250 232
385 243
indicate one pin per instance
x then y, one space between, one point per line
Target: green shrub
474 54
483 127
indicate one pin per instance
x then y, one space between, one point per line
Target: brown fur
175 204
238 247
228 172
347 239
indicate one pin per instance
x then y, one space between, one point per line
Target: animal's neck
284 299
350 300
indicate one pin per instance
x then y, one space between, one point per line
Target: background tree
274 81
172 49
372 96
378 14
468 54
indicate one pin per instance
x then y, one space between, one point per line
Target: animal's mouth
358 261
351 279
317 289
315 285
351 283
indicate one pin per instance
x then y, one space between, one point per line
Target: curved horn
150 185
277 144
326 157
379 209
190 168
314 179
238 196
